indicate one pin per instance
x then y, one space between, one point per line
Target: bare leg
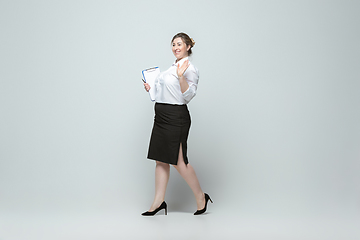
188 173
162 173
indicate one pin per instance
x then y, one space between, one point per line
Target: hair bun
193 42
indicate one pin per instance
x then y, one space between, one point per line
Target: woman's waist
165 112
168 104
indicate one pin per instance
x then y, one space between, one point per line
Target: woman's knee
162 164
180 166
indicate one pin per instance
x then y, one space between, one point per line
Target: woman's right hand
147 86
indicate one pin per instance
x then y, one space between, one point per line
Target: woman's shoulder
192 73
193 68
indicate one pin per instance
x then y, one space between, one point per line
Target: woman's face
179 48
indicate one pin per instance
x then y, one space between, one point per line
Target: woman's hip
172 114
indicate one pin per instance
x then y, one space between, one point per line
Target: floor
215 224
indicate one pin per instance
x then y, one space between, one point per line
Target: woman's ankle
200 196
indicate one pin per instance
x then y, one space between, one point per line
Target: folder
150 76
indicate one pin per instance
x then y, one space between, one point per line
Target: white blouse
168 87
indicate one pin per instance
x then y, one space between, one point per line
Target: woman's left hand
181 69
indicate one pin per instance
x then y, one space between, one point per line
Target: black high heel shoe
162 206
207 198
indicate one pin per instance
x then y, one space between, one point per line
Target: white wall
275 122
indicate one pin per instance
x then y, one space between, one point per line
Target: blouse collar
180 62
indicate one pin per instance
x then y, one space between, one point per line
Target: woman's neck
177 60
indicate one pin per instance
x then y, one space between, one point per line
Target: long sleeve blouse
168 87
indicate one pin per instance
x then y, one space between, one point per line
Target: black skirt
171 127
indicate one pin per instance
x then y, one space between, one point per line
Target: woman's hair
186 39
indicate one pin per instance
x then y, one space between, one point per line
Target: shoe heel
207 198
152 213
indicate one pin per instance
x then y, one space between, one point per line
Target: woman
168 143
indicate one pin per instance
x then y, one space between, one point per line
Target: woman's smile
179 48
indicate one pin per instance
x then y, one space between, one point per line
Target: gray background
275 134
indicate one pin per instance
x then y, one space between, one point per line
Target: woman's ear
188 47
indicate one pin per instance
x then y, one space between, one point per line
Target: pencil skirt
171 127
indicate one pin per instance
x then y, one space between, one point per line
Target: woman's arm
180 72
183 84
188 80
